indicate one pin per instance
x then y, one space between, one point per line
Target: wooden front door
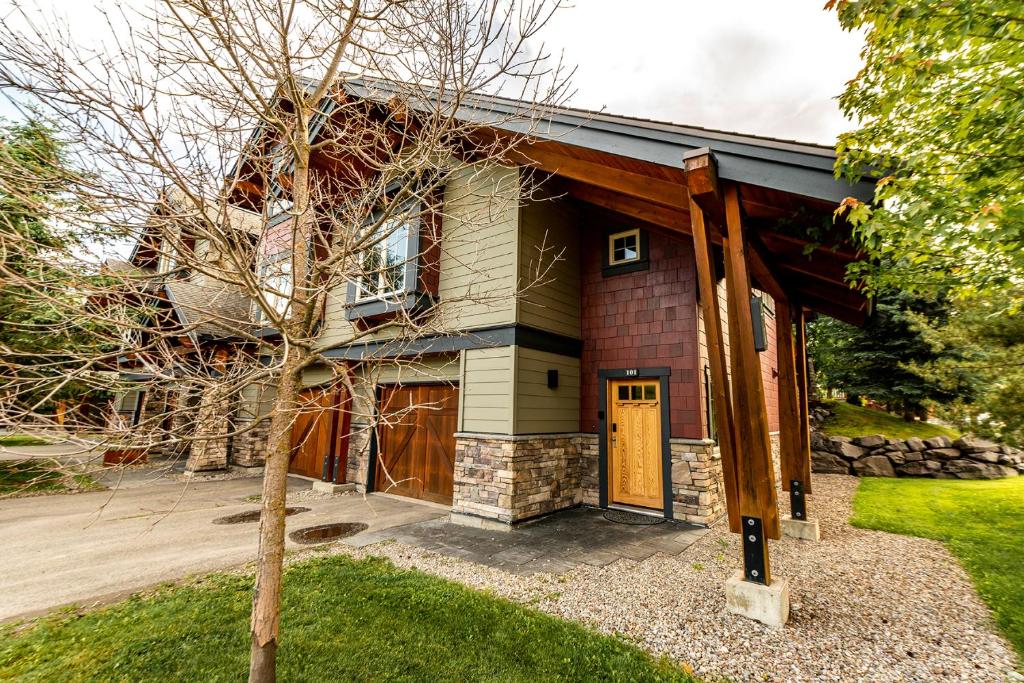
416 442
312 431
634 467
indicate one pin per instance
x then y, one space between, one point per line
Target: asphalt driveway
95 547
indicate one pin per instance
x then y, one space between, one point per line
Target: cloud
766 68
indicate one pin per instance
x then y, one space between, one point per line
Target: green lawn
854 421
343 619
21 440
29 476
981 522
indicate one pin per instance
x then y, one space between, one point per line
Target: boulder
828 463
913 456
990 457
938 442
921 468
873 441
972 444
897 458
874 466
819 442
915 444
1006 459
941 453
902 446
968 469
847 449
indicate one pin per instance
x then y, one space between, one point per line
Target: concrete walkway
96 547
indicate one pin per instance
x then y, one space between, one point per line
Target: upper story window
276 276
383 265
623 247
279 199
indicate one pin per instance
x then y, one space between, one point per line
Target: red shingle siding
770 371
644 319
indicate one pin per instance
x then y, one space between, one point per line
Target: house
594 386
189 317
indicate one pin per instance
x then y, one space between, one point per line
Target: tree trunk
266 599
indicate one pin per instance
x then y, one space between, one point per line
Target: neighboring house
195 317
592 387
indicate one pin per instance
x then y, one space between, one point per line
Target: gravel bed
310 494
865 605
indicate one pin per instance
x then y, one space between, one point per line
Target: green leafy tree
877 361
35 289
940 106
979 357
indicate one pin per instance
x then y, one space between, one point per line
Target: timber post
752 592
795 435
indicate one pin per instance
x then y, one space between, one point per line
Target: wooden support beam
763 272
803 380
756 473
795 461
702 176
706 281
675 220
545 157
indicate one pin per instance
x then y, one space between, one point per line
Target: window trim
612 236
411 256
409 297
276 257
642 262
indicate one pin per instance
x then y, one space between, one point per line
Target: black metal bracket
753 550
797 500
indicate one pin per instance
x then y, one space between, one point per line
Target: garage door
312 431
417 445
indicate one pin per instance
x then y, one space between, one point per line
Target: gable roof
800 168
215 312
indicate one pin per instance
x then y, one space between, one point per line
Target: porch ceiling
793 235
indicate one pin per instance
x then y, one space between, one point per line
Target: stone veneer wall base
511 479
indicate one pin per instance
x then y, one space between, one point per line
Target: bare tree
265 157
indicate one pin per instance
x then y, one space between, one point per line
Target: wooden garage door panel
417 446
311 432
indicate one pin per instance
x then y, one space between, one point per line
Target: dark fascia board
800 173
135 377
508 335
797 168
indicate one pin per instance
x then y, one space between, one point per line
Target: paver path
553 544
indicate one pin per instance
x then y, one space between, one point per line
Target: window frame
641 262
409 296
281 256
612 236
411 247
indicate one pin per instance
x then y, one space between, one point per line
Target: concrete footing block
329 487
478 522
803 529
767 604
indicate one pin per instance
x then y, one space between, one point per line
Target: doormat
632 518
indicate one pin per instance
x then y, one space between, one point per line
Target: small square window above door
625 251
624 247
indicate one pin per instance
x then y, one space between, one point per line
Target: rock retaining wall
938 457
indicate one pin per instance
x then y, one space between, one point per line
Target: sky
764 68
